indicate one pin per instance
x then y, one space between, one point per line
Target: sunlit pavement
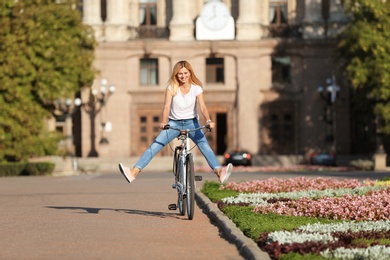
101 216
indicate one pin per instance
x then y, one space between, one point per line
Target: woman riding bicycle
182 96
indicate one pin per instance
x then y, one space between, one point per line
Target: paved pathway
101 216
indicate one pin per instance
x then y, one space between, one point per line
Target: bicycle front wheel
181 201
190 187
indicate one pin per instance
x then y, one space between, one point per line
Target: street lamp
329 95
96 103
65 107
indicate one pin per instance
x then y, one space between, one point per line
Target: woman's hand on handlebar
211 124
162 125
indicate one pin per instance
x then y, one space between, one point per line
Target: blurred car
325 159
238 157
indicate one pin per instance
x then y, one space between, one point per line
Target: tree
364 47
46 53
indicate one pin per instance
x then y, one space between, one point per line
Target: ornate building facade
261 63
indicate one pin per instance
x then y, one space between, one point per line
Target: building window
149 71
148 12
278 12
278 132
103 8
215 71
281 70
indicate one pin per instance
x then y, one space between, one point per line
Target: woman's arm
166 108
204 110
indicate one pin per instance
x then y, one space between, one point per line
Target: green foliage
253 224
293 256
371 242
45 53
364 46
12 169
38 168
27 169
211 190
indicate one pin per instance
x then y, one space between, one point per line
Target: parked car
323 158
238 157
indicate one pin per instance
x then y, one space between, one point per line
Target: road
101 216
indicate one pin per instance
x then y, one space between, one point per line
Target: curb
246 246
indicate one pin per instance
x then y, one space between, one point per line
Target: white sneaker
126 173
226 173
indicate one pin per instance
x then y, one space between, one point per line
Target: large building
262 63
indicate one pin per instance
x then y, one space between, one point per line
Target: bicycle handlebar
167 126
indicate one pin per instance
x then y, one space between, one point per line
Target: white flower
347 226
370 253
287 237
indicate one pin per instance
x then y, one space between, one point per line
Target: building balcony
285 31
143 32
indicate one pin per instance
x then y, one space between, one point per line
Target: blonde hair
174 83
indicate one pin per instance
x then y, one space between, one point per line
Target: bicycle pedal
174 186
198 178
172 206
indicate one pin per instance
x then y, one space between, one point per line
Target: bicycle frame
184 149
184 173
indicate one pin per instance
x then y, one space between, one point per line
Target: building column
292 11
117 21
248 22
337 18
247 124
336 12
313 23
181 25
92 16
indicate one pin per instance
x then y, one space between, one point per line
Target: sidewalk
101 216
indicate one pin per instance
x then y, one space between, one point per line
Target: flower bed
363 209
291 168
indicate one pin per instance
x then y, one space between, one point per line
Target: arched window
278 12
215 71
148 12
149 72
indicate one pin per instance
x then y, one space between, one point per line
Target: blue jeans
167 136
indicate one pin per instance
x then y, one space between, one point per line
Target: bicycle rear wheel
181 201
190 187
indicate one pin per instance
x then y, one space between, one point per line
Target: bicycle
183 169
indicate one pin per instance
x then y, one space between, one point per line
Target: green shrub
26 168
12 168
38 168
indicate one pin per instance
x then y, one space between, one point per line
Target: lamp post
96 103
329 95
65 108
380 155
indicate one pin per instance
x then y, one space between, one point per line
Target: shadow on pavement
83 210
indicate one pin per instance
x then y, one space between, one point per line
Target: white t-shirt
183 106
